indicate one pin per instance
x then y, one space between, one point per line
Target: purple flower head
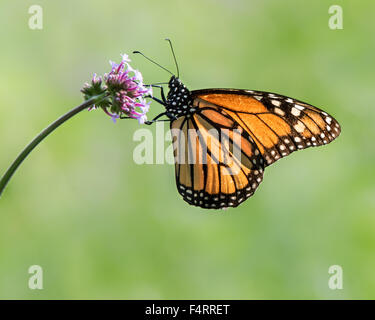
125 89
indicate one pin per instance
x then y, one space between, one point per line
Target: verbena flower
125 89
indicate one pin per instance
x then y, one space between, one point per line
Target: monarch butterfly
267 126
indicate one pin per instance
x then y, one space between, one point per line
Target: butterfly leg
153 120
158 101
161 92
158 116
163 101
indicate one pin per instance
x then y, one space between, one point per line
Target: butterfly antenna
174 57
153 61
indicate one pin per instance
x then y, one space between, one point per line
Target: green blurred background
102 226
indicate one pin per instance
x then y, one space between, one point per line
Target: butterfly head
178 99
175 82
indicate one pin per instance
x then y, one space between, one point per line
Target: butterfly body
179 100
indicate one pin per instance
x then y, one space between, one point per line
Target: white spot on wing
299 127
276 102
279 111
299 107
296 112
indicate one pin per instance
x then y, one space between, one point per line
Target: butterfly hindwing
210 171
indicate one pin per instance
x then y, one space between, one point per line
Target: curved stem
16 163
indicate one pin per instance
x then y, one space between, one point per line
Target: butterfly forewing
279 125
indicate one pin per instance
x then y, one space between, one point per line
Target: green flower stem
16 163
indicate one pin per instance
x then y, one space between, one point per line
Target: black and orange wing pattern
209 173
279 125
268 127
